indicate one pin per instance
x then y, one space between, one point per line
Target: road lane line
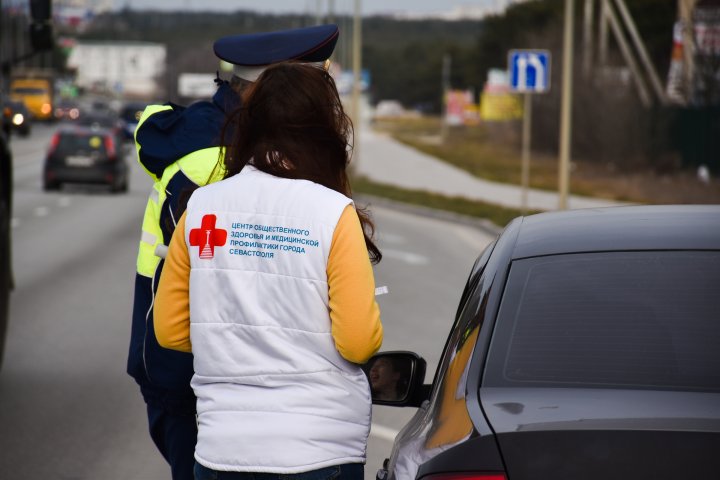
385 237
42 211
382 432
407 257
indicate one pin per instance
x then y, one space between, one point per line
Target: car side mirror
396 378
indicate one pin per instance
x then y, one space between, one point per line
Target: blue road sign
529 71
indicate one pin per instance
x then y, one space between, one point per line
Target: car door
443 421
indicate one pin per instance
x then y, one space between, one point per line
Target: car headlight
18 119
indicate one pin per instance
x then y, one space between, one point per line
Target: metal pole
642 51
526 139
629 58
566 107
685 9
445 89
603 33
318 12
357 63
588 37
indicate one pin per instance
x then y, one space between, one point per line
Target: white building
131 69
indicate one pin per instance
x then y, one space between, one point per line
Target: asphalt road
67 408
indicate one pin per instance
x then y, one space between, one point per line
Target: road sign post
529 74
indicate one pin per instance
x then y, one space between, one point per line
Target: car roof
84 130
650 227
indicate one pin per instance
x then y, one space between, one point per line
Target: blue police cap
310 44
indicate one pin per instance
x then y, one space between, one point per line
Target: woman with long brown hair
269 282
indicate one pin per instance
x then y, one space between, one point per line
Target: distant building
131 69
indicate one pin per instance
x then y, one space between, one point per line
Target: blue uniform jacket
164 138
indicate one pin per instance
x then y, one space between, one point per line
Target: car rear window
74 142
632 319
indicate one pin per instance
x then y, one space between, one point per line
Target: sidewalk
384 160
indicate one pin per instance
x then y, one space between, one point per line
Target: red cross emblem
207 237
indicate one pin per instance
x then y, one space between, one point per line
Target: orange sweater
354 313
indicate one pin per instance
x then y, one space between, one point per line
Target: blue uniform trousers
173 428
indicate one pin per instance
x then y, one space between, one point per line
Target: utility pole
318 12
603 33
357 64
445 91
589 20
331 11
685 9
566 107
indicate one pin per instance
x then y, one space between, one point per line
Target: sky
368 7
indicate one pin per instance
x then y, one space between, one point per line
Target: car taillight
54 143
110 147
466 476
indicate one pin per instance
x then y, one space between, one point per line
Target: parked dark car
586 345
81 154
18 117
130 116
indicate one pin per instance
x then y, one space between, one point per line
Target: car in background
107 120
67 110
585 346
130 116
85 154
36 93
18 117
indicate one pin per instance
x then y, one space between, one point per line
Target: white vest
274 395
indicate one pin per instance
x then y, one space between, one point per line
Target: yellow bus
36 94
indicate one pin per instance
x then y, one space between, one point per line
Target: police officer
180 148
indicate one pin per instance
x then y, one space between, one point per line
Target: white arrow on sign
529 71
532 60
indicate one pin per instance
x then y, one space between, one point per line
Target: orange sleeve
172 301
355 314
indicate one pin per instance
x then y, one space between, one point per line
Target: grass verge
500 216
492 152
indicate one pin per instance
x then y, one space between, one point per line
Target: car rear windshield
76 142
631 319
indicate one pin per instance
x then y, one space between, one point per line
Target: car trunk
588 434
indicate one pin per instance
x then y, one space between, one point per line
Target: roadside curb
480 223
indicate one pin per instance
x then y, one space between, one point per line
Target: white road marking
385 237
407 257
382 432
41 211
64 202
14 222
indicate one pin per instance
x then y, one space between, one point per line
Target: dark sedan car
81 154
18 117
586 346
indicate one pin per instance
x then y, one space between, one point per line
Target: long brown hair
292 124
